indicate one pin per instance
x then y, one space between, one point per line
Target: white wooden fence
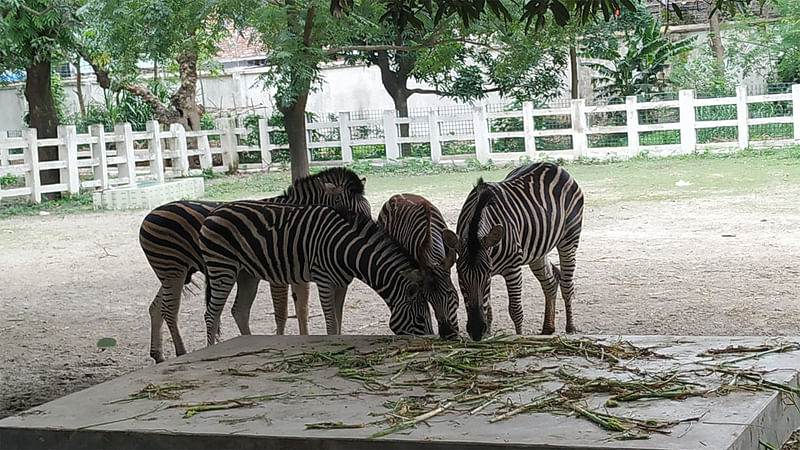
102 160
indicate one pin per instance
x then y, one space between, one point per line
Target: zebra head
435 287
343 199
410 315
474 269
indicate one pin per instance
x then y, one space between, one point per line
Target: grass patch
68 204
237 187
642 178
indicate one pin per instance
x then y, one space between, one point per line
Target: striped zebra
513 222
297 244
169 237
417 225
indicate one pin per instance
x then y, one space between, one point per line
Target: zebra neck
379 262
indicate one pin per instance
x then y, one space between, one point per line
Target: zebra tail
556 272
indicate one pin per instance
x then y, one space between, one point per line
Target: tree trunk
400 99
79 90
716 44
43 115
573 67
294 121
396 85
185 98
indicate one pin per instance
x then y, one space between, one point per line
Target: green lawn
603 183
639 179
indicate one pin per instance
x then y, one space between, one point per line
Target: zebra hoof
571 329
157 356
548 330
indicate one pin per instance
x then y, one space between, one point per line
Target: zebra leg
566 257
514 286
327 299
219 284
338 298
156 322
300 297
280 293
543 271
171 292
246 289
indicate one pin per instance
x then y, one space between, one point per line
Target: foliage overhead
123 33
36 30
632 65
531 12
298 35
459 62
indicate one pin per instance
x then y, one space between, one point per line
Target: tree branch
160 111
403 48
445 93
309 25
37 13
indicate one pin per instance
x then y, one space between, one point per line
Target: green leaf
106 343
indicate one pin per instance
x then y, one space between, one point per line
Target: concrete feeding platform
149 195
262 391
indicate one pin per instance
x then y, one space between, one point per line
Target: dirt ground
707 266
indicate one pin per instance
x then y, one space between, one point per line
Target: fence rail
102 160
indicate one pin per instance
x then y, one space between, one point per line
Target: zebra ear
493 237
364 181
449 259
451 241
332 189
413 275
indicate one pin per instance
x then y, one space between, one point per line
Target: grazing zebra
169 237
417 225
513 222
297 244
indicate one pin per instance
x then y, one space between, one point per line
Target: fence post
206 160
68 151
182 161
742 114
578 116
796 111
687 117
529 129
433 134
227 138
390 134
632 123
345 137
264 143
156 151
3 149
480 127
31 155
99 156
125 146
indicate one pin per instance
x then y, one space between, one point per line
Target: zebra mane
339 176
373 228
485 198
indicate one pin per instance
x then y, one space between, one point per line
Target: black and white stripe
516 222
297 244
169 237
417 225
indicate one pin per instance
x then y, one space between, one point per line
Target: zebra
296 244
518 221
169 237
417 226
